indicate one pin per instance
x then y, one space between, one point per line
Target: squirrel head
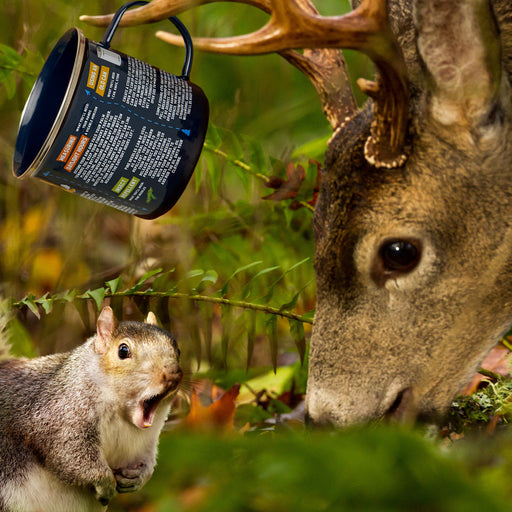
140 362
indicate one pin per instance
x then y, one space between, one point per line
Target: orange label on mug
93 75
102 82
66 150
80 148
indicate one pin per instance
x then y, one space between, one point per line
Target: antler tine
294 24
325 68
327 71
158 10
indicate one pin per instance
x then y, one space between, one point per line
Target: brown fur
71 427
405 343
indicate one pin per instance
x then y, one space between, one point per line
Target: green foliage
480 408
368 469
12 63
196 287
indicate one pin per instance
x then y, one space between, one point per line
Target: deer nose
402 408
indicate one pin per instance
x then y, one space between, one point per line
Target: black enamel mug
110 127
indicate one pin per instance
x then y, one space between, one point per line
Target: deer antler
296 24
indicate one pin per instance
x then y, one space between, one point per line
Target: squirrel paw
132 477
104 492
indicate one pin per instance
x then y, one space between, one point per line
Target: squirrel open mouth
144 414
149 407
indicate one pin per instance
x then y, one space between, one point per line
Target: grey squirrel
78 426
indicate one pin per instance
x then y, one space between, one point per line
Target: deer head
413 240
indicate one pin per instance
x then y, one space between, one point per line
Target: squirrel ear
105 327
151 319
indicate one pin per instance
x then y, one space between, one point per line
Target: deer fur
404 343
426 165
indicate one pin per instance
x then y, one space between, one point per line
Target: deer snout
396 403
402 409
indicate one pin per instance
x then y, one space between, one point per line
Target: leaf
271 327
274 382
9 57
213 138
209 277
30 302
276 406
67 296
299 338
313 148
224 290
298 264
161 282
266 298
497 360
46 303
114 284
211 162
191 274
140 283
232 144
9 83
247 288
311 185
289 188
19 339
97 295
291 304
256 154
308 316
242 173
219 415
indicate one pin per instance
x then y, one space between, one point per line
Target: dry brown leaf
497 361
218 416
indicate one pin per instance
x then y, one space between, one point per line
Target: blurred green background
52 241
265 114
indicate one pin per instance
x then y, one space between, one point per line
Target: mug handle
189 51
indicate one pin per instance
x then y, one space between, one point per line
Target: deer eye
124 351
400 255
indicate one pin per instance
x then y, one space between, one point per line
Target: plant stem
216 300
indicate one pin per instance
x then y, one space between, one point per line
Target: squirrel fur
77 427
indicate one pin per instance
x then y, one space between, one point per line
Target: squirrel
77 427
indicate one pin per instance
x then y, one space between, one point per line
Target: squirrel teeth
149 407
144 414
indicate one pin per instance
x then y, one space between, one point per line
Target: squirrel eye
124 351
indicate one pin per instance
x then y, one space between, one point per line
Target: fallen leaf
497 361
219 415
287 189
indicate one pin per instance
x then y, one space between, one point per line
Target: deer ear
459 44
105 327
151 319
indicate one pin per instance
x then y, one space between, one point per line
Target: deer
413 235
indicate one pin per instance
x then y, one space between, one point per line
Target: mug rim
34 166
